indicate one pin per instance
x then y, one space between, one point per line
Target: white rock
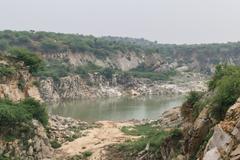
212 154
220 140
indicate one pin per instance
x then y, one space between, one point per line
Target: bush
87 154
89 68
12 113
55 144
190 108
37 111
3 44
55 69
7 71
108 73
49 46
33 61
21 84
225 86
227 92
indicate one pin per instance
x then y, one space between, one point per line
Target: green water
116 109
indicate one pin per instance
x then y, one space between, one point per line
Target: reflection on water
123 108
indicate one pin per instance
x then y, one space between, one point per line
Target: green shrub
21 84
55 144
33 61
193 97
49 46
9 138
87 154
4 158
72 138
191 107
55 69
89 68
37 110
225 86
108 73
12 113
7 71
4 44
227 92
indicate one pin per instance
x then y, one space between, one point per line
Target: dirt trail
95 140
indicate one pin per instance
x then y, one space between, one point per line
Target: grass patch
152 136
139 130
153 75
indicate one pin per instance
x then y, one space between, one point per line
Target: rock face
122 61
197 132
170 119
181 61
20 85
75 87
225 144
48 91
36 146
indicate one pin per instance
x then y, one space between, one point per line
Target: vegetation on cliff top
49 42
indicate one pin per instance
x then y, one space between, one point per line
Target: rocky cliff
76 87
20 83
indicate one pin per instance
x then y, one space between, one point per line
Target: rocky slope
34 144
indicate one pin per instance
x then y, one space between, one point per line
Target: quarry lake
116 109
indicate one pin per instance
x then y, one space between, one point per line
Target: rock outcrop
225 142
65 129
29 147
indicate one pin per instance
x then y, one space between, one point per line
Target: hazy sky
167 21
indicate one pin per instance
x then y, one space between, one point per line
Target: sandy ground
95 140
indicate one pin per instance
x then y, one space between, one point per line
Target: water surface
123 108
